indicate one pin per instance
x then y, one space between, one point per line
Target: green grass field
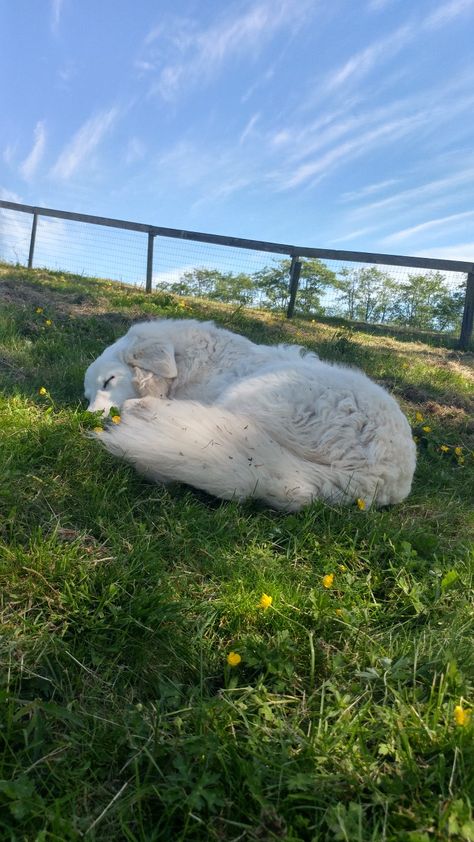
347 717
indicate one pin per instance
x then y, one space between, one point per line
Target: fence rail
292 251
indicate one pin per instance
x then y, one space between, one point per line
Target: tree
368 294
314 278
420 298
220 286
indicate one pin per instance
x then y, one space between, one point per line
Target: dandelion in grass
116 419
461 716
419 417
342 568
42 391
444 448
328 580
265 601
360 504
340 612
39 310
426 429
48 323
458 451
98 429
233 659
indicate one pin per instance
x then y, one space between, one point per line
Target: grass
120 601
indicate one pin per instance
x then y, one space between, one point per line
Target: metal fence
363 286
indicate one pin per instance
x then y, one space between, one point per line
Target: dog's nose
97 406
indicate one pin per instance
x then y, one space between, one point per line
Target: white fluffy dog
207 407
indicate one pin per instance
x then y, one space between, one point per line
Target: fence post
468 314
149 262
295 270
32 240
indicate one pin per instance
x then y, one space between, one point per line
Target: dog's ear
150 355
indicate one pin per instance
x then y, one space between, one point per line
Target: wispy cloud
135 151
461 251
416 195
364 61
30 164
376 5
353 235
415 230
84 142
368 190
249 128
56 9
390 130
448 12
8 154
239 31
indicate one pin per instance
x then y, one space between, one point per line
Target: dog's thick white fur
207 407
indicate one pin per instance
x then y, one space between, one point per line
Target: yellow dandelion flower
233 659
98 429
419 416
48 322
42 391
444 448
339 612
426 429
116 419
360 503
39 310
342 568
461 716
265 601
328 579
458 451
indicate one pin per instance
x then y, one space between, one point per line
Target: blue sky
345 124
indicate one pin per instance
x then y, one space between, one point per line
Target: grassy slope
120 601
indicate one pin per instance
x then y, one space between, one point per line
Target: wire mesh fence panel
15 233
382 294
358 287
92 250
221 273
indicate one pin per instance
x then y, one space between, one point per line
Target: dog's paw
144 408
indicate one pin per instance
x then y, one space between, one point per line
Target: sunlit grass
121 603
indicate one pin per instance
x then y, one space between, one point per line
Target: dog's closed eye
106 382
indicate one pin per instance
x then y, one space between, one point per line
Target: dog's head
138 364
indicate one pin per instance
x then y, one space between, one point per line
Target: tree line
367 294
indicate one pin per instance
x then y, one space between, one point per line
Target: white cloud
361 63
358 145
448 12
202 51
135 151
86 139
8 154
368 190
249 128
56 9
30 164
415 195
353 235
171 276
376 5
443 221
461 251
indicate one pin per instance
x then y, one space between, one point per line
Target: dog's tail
209 448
